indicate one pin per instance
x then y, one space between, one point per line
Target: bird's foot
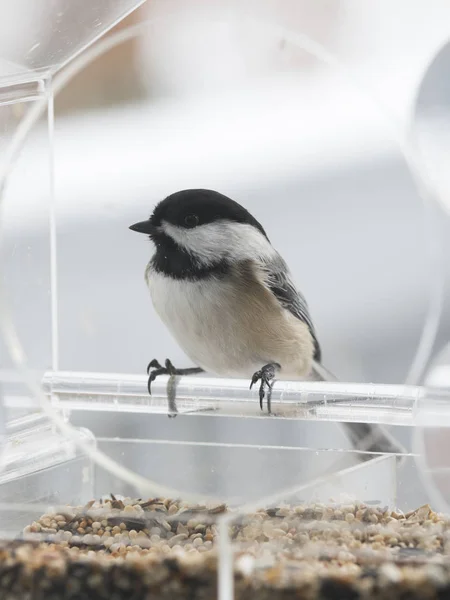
267 375
154 369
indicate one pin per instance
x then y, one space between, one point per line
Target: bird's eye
191 221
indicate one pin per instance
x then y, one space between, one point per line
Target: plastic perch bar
344 402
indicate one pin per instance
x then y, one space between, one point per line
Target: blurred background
219 95
208 96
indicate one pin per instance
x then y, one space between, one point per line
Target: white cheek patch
207 243
221 240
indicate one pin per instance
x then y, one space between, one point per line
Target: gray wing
278 280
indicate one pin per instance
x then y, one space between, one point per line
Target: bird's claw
266 374
255 378
153 364
168 369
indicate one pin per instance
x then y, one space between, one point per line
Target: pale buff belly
229 331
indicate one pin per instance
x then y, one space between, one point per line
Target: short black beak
143 227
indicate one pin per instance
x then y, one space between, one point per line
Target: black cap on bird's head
188 209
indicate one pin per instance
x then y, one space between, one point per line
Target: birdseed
163 548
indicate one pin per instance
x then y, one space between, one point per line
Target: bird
229 300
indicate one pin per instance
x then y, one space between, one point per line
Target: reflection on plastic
431 443
331 401
2 427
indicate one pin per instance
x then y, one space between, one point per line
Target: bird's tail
365 437
320 373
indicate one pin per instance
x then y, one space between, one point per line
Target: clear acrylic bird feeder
221 480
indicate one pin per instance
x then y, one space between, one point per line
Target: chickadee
228 299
